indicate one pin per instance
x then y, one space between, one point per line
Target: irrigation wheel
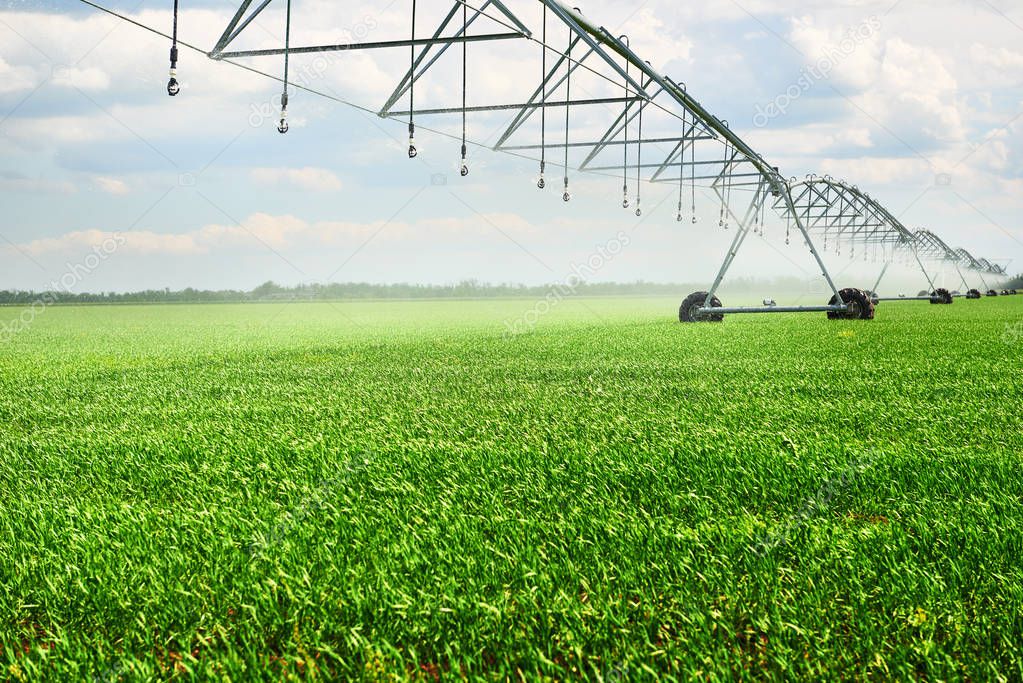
973 294
687 312
941 296
992 292
861 306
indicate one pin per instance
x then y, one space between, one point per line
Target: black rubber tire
973 294
873 296
687 311
992 292
861 306
942 297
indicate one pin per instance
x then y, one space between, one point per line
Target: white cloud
111 185
851 55
311 179
47 130
1000 58
88 79
15 78
872 173
810 140
914 86
260 231
18 183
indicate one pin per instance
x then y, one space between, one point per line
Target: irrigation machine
583 78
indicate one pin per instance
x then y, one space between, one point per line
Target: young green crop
385 491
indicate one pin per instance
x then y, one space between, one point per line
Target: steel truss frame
767 180
847 215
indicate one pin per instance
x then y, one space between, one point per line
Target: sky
108 184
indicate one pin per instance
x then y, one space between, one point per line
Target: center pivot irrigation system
603 110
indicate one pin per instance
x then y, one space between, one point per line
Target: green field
384 491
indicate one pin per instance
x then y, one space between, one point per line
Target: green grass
385 491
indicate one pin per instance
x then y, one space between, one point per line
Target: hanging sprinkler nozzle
173 87
412 151
282 127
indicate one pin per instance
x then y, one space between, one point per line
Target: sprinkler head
566 197
172 85
282 127
465 170
541 183
680 219
639 212
412 151
625 203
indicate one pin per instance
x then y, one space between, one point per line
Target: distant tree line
467 289
271 291
1016 282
